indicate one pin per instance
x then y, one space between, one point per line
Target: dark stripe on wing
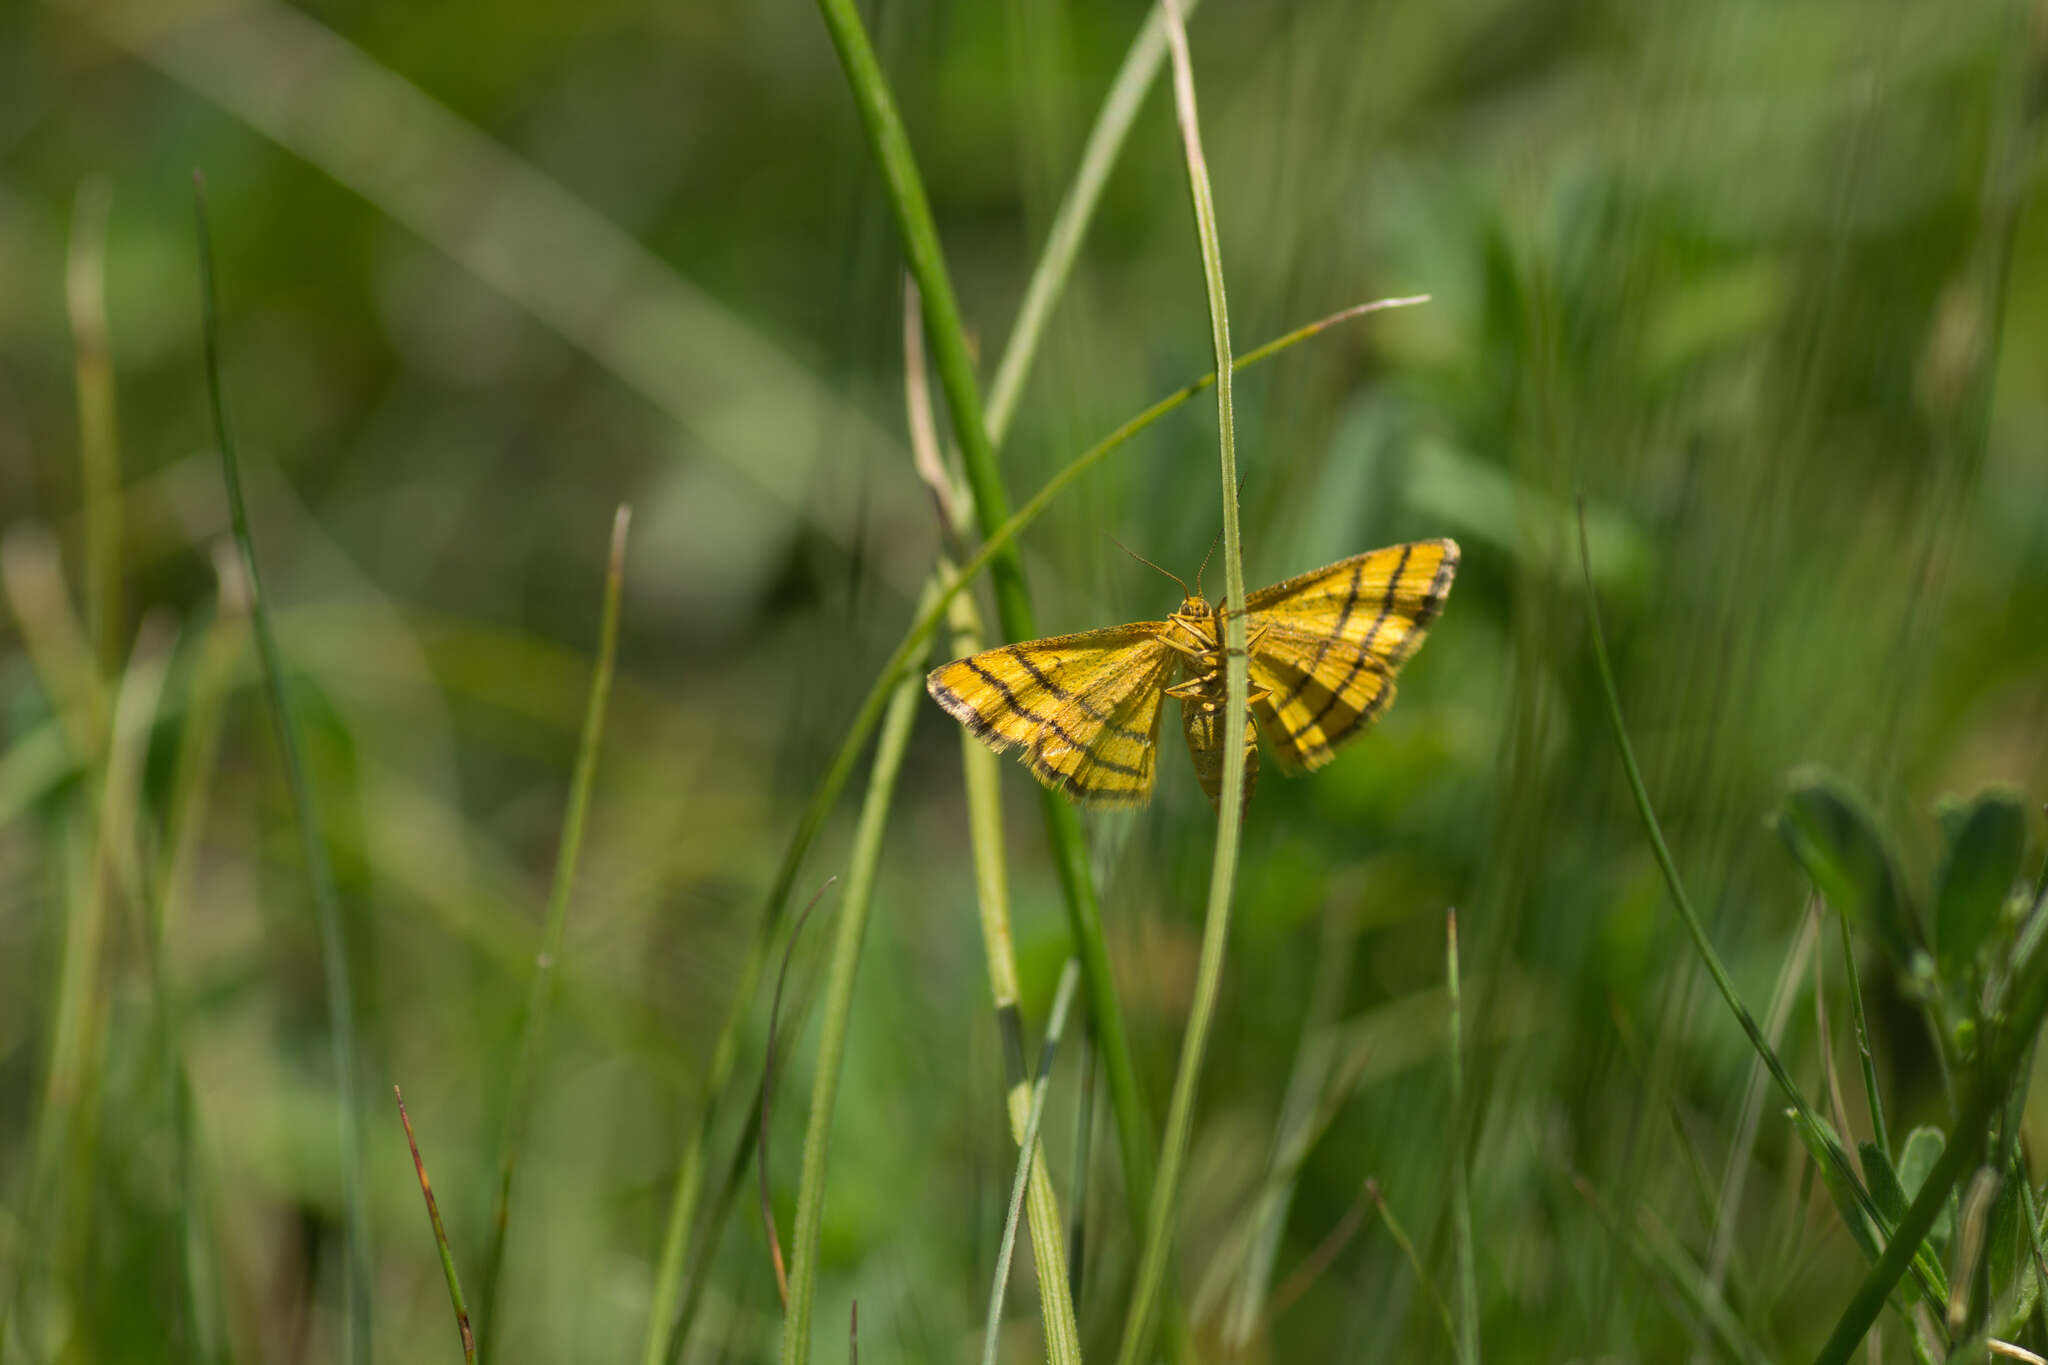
1343 619
1122 731
1048 722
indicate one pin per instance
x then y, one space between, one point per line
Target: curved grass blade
767 1105
1027 1152
326 903
1159 1230
462 1325
983 781
1809 1121
541 995
846 950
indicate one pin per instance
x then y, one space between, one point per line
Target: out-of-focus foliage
1764 281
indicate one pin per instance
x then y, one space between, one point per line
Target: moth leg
1193 687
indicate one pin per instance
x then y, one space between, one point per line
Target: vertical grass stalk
983 779
846 947
455 1300
1063 1344
1461 1180
1158 1247
891 148
326 902
540 997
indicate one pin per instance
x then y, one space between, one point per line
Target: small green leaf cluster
1967 952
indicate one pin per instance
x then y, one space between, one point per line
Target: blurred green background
1761 279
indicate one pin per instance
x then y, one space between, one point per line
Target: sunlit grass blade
326 903
863 864
455 1300
1067 1349
1154 1260
540 999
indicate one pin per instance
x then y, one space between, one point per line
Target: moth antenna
1150 565
1205 564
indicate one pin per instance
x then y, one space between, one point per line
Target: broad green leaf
1923 1148
1833 835
1977 874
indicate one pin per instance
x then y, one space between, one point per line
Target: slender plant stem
1878 1132
983 782
541 994
667 1319
846 947
1461 1186
1068 1347
326 903
1837 1158
1159 1232
890 146
455 1300
1063 242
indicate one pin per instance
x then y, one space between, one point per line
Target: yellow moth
1322 651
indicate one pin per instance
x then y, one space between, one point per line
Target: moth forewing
1085 708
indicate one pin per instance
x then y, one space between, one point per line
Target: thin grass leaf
1835 1157
983 782
462 1325
1407 1245
767 1106
862 866
1070 224
890 146
326 903
1068 1349
1153 1263
1461 1186
541 994
1666 1265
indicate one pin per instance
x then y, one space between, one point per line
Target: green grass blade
1837 1158
1066 1347
1063 242
540 1000
455 1300
326 903
1159 1230
983 781
1461 1186
845 965
890 146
